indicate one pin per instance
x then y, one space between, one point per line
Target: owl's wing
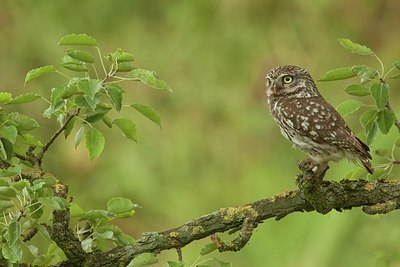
317 119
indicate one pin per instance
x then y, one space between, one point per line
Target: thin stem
39 157
95 71
393 68
63 74
101 61
382 67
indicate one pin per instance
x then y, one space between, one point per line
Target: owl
309 122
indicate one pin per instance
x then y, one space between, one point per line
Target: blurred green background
218 145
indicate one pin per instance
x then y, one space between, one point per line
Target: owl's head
290 81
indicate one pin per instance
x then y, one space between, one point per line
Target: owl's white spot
316 120
317 126
313 132
305 125
323 112
304 118
315 110
333 134
308 108
289 122
332 123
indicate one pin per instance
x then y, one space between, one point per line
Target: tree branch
39 157
377 197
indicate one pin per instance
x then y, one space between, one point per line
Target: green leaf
87 102
80 55
53 202
148 112
120 56
386 119
5 204
93 215
29 140
74 66
7 192
14 231
34 250
208 249
98 114
78 136
143 260
87 244
148 77
380 93
5 97
368 118
175 264
94 142
349 107
7 148
337 74
368 75
90 87
127 127
125 66
75 210
78 39
69 127
26 98
355 48
56 94
371 134
107 121
23 122
397 65
357 90
35 73
12 253
55 254
115 93
121 207
9 132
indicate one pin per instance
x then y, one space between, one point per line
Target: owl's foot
313 170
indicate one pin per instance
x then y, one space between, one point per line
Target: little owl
309 122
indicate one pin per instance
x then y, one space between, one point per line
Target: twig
39 157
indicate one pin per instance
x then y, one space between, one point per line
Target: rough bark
313 194
375 197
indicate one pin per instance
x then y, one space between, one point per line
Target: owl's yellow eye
287 79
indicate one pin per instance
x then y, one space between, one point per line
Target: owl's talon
312 169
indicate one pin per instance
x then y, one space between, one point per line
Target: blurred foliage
218 145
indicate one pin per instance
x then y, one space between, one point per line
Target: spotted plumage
308 121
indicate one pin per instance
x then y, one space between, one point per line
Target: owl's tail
365 156
367 164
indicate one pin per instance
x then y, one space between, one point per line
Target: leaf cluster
90 97
373 83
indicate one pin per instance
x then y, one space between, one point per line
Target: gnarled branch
379 196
